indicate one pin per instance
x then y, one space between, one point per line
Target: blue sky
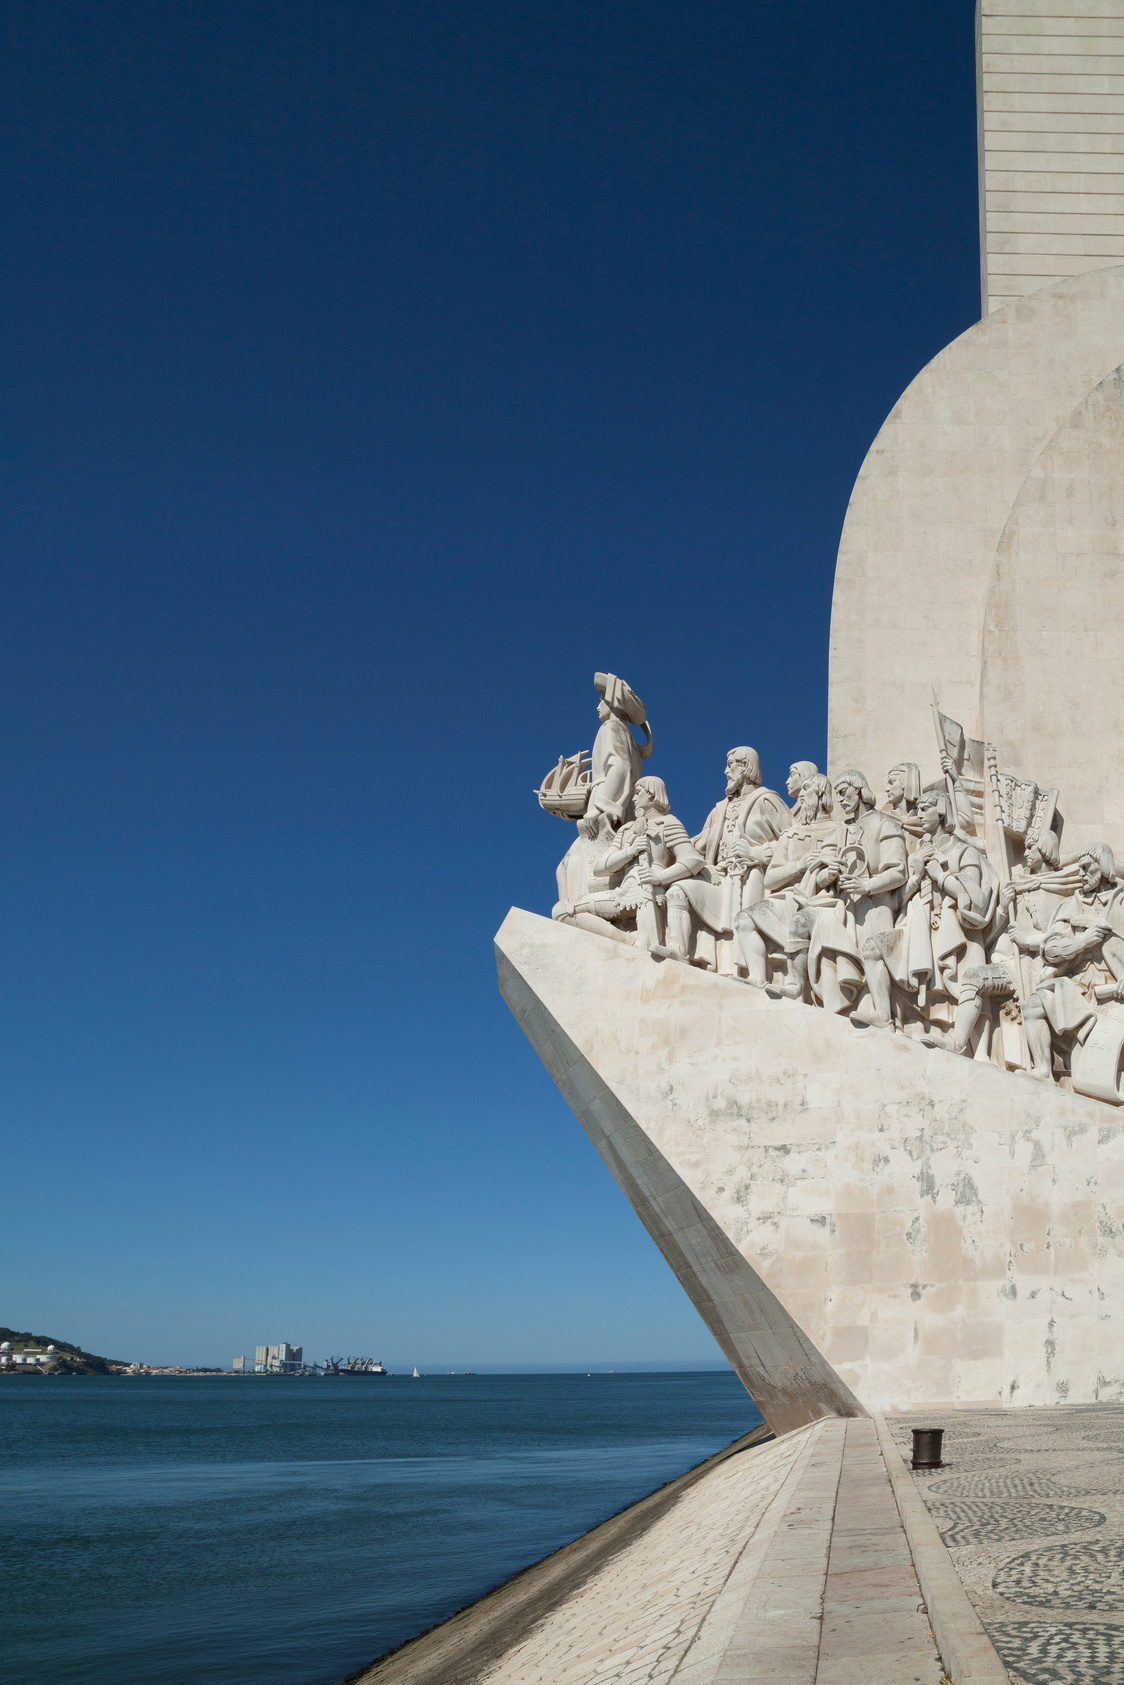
372 375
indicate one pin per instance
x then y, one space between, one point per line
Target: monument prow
858 1063
864 1223
591 1030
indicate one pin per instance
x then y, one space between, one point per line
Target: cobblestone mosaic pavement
1044 1653
1012 1483
1031 1506
1086 1576
984 1521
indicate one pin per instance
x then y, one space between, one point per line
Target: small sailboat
415 1376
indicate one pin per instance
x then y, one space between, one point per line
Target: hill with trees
69 1359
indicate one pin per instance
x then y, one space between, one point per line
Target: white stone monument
858 1064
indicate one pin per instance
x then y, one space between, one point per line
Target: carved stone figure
615 764
1027 904
736 845
895 917
949 901
574 873
630 871
1084 954
903 793
596 790
864 860
781 923
798 774
903 789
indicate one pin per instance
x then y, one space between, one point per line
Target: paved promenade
787 1562
784 1563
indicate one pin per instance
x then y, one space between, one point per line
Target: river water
285 1531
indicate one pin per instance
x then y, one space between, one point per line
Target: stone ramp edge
460 1649
968 1654
738 1639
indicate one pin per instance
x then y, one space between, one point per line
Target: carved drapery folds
947 911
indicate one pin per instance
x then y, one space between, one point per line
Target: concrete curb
966 1651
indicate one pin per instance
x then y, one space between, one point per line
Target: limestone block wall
1050 101
862 1222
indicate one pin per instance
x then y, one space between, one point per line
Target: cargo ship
353 1366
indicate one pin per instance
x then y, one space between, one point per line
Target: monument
855 1053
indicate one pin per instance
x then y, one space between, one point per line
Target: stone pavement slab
874 1621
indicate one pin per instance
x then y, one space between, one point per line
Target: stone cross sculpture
948 915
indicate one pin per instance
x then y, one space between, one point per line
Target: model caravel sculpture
949 914
565 789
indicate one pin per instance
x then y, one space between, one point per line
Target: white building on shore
28 1356
278 1360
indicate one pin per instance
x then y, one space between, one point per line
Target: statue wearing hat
615 764
597 790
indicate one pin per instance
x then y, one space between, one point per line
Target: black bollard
927 1448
